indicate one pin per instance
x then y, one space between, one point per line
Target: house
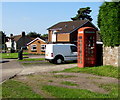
16 42
36 46
66 32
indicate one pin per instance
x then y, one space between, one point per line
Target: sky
38 16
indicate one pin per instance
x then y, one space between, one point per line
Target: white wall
53 36
9 43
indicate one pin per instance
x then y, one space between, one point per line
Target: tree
83 14
3 40
115 0
108 22
33 34
2 37
44 35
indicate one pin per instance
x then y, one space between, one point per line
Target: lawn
61 92
15 89
108 71
10 55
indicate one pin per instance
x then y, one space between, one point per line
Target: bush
108 22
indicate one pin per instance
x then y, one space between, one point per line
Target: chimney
11 35
23 34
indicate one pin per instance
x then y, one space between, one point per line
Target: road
9 68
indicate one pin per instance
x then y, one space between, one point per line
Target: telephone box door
90 50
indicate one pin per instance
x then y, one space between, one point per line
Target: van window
73 48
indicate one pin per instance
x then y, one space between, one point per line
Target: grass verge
61 92
15 89
10 55
108 71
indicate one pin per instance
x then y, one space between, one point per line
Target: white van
59 53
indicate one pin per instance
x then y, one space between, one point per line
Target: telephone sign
86 43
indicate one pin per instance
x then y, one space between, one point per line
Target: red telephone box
86 47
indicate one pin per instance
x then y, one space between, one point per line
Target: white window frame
43 45
33 45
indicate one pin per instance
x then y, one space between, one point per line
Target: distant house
66 32
37 46
18 41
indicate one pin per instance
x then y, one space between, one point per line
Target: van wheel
58 60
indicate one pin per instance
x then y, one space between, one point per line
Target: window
73 49
43 47
34 47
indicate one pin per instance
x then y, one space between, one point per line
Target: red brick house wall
38 50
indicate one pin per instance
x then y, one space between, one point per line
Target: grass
63 76
108 71
111 88
10 55
25 53
69 83
33 59
93 77
50 80
61 92
15 89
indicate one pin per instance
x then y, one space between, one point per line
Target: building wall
9 44
111 56
38 51
49 36
53 37
72 38
63 37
